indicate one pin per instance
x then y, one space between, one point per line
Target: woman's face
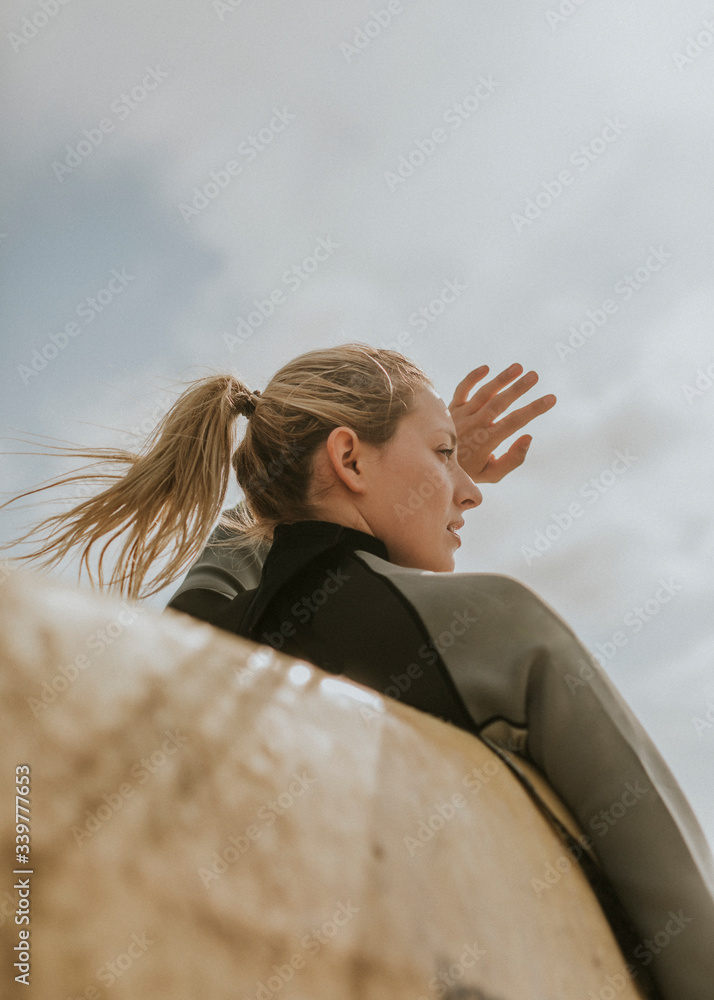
408 491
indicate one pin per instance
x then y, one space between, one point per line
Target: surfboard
209 817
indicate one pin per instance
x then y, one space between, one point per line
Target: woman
350 474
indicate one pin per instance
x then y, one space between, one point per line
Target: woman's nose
476 497
469 495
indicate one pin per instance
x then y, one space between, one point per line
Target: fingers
498 432
497 468
462 390
501 398
519 418
496 385
495 388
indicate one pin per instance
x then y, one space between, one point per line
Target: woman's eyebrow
446 432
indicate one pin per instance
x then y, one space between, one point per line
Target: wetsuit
473 648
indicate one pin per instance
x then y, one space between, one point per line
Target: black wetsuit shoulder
318 601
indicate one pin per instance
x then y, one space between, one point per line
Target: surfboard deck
212 818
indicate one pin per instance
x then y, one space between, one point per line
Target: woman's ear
346 455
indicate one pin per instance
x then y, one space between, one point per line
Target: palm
477 430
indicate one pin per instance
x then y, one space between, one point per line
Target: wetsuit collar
296 544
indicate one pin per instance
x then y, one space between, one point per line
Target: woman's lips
454 535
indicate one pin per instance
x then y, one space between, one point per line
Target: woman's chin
434 562
445 564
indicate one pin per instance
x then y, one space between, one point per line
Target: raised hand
478 434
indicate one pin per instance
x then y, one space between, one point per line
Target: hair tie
249 402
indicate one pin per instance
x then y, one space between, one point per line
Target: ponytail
164 501
165 498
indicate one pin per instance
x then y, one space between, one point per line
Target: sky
484 184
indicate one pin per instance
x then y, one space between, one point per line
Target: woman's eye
447 451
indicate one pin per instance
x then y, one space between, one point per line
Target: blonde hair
167 497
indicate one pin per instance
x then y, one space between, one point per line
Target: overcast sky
546 167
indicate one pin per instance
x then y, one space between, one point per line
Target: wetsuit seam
440 664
